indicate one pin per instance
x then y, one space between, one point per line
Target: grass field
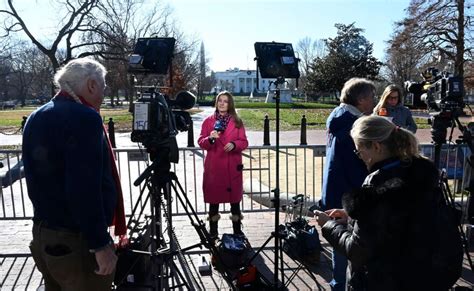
10 120
252 113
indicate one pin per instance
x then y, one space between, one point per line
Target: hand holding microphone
217 129
214 134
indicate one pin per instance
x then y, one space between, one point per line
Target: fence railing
301 172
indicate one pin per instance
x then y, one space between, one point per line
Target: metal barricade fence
301 172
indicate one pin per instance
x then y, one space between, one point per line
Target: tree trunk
459 60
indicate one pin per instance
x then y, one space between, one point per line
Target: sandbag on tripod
233 252
132 267
302 241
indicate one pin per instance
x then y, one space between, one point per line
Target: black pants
234 209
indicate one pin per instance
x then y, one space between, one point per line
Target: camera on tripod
439 90
156 116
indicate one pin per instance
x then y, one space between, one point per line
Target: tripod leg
282 266
450 200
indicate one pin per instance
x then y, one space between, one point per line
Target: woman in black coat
384 228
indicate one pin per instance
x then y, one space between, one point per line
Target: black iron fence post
23 122
266 131
191 135
303 131
111 126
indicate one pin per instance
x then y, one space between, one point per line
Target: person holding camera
384 227
343 171
73 183
223 138
391 106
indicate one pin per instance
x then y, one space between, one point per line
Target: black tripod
440 123
165 274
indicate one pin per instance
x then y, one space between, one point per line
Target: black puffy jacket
387 239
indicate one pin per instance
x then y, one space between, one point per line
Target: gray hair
355 89
398 141
73 76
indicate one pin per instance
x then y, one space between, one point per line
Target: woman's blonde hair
231 109
386 93
399 142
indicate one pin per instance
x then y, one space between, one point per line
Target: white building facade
240 81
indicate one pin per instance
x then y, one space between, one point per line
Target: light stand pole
276 61
276 191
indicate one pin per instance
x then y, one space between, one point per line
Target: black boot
213 229
237 223
213 226
237 227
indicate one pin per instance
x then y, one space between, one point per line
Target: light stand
276 60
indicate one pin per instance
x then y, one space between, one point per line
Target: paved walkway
20 274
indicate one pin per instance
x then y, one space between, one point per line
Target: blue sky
229 28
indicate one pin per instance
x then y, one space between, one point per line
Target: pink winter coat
222 182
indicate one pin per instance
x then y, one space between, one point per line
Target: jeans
339 265
65 261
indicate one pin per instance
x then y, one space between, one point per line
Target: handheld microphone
218 126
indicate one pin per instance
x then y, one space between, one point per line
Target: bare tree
107 30
307 51
441 28
77 17
30 70
403 59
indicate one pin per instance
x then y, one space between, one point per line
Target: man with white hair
73 183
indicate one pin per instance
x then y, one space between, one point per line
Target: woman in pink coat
223 137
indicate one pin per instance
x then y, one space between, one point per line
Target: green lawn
252 113
290 119
11 119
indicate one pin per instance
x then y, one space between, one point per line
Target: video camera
440 91
157 118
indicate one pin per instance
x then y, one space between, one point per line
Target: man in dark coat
73 183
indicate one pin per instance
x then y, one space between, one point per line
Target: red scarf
119 214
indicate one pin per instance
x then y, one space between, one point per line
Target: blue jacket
68 169
343 170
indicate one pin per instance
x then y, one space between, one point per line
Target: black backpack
447 256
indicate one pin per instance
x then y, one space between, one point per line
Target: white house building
240 81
